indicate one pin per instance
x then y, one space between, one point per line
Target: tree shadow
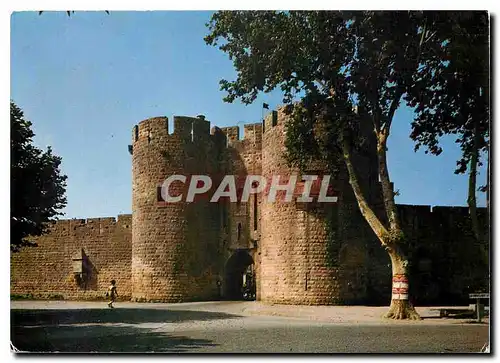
96 330
101 339
460 315
20 317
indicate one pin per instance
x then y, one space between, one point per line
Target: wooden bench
478 309
446 312
478 296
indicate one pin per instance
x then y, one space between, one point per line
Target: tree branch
392 110
376 109
385 181
365 209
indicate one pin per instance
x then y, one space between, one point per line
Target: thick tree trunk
400 307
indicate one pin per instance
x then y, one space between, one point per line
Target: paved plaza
234 327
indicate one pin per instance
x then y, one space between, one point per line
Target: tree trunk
400 307
471 200
387 190
366 211
488 184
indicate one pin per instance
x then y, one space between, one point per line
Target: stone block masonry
175 247
300 253
58 268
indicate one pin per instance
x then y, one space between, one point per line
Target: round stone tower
174 245
304 257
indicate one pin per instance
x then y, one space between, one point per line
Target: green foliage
364 60
451 91
37 186
271 49
28 296
350 69
451 96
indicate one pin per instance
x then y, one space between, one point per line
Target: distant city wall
57 268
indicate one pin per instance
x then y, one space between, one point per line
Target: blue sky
85 81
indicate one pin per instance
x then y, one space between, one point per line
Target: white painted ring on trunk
399 296
400 285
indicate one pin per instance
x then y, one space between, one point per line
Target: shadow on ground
64 330
456 316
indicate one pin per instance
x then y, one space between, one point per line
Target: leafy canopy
349 69
452 94
37 185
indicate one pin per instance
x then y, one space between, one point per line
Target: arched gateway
238 271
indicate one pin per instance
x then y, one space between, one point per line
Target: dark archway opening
240 276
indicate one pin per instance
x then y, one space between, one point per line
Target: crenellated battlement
232 133
187 131
250 144
253 132
276 117
149 128
193 130
108 221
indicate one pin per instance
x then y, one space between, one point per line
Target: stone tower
308 255
300 253
175 246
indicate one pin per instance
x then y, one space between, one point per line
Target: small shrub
28 296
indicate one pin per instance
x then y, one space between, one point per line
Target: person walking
112 293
